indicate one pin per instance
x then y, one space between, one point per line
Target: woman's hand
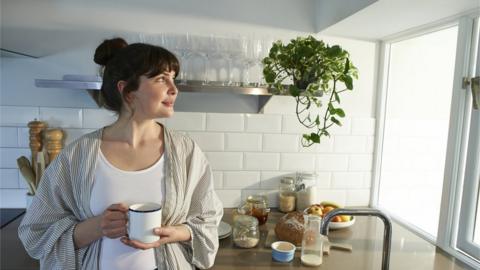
113 221
168 234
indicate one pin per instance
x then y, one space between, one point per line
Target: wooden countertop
366 236
408 250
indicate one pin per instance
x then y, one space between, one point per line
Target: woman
78 218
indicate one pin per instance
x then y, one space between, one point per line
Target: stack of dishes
224 230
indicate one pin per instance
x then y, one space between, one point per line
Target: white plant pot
29 198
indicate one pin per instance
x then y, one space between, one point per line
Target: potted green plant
313 73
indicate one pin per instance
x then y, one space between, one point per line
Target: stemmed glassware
182 47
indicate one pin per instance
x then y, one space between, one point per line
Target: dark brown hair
123 62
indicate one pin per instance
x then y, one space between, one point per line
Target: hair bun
108 49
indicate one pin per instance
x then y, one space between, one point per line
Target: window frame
460 118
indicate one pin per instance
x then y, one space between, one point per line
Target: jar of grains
286 194
245 231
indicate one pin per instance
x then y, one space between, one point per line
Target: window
427 170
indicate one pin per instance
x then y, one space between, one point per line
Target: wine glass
182 47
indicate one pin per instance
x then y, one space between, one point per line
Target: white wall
248 152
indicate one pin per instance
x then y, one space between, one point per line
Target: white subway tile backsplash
225 122
332 162
62 117
98 118
363 126
226 161
324 180
23 137
8 157
241 180
13 198
370 148
8 137
367 179
263 123
291 125
210 141
344 129
187 121
280 143
17 115
9 178
271 179
360 163
334 195
218 179
243 142
230 198
350 144
262 161
360 197
347 180
297 162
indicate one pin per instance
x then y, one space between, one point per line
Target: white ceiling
388 17
43 27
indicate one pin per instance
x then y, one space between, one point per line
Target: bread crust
290 228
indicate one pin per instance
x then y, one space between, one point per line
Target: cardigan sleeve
47 229
205 214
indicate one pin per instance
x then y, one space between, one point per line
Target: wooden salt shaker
36 145
54 140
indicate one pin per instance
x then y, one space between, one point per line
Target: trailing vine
309 70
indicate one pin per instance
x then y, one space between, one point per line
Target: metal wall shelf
93 83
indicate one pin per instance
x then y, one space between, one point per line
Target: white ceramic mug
143 218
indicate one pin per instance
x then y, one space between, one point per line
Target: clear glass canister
286 193
307 193
245 231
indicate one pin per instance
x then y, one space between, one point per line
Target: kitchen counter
408 250
366 236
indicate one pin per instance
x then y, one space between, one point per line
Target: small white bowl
283 251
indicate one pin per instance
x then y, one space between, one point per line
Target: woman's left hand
168 234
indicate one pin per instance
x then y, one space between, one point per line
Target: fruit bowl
325 207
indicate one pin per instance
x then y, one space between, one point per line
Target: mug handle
128 224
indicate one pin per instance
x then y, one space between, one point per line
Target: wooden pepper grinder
54 139
36 128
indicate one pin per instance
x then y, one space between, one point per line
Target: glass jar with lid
245 231
286 194
306 191
257 206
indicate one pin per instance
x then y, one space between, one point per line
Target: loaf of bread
290 228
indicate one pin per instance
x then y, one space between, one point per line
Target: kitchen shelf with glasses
93 83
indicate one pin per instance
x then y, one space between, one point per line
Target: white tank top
113 185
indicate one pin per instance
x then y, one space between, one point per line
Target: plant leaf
314 137
337 97
294 91
335 120
339 112
348 82
331 109
347 66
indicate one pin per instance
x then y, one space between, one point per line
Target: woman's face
155 96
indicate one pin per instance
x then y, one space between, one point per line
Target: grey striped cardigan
63 200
